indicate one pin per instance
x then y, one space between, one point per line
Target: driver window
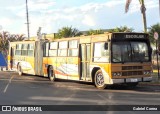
116 53
100 53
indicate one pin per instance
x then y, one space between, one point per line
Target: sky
84 15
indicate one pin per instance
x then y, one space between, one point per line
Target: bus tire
20 70
51 75
99 80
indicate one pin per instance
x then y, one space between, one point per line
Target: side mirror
106 46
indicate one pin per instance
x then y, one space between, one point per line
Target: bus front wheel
51 74
20 70
99 80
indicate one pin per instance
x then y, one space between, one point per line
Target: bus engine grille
132 73
131 67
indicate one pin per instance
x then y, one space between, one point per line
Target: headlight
119 74
116 74
146 72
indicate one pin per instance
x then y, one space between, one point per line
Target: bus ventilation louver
132 73
131 67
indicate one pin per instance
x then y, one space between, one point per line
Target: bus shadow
137 88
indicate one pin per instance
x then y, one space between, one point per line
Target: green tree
151 30
122 29
94 32
143 11
66 32
5 38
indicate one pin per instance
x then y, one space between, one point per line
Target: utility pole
143 11
27 18
159 8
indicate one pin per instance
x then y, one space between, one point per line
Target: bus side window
18 49
52 49
73 48
46 49
106 46
24 49
30 49
62 50
100 53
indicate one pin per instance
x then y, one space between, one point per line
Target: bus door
85 62
38 66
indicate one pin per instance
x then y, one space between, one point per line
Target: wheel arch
49 67
94 70
18 64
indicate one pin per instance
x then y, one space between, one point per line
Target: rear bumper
132 80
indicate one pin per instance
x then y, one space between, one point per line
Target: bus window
18 49
53 49
45 50
24 49
100 53
62 51
30 49
130 52
63 45
73 52
73 44
52 53
53 45
73 48
140 51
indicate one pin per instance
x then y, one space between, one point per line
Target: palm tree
94 32
122 29
66 32
143 10
5 38
151 31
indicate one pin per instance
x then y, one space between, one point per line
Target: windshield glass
130 52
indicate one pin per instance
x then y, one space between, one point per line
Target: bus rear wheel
99 80
20 70
51 75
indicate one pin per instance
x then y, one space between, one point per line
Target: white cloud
40 5
5 23
89 20
114 3
42 13
135 5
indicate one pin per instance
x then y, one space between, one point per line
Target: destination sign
135 36
120 36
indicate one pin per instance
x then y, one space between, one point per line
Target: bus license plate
134 80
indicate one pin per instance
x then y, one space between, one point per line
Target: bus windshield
130 51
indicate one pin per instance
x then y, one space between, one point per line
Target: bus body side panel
45 66
29 66
61 68
72 68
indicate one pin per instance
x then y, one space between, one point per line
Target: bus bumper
132 80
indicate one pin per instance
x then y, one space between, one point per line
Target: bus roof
94 38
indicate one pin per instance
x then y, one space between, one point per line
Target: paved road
35 90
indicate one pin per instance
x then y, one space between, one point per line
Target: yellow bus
105 59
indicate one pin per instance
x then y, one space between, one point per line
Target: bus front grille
131 67
132 73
